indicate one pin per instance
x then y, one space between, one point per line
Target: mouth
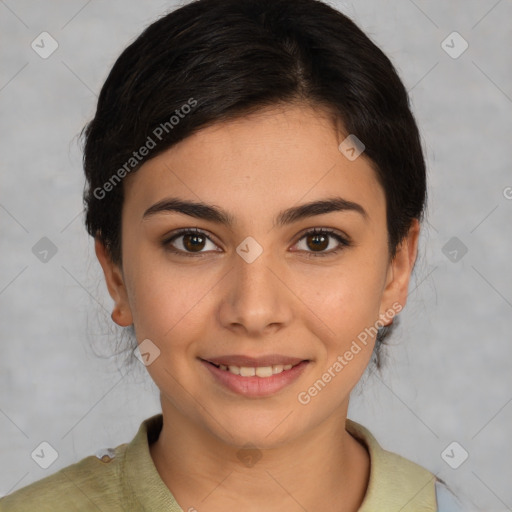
255 377
255 371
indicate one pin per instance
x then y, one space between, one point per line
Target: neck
325 469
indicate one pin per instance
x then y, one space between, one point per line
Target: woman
255 187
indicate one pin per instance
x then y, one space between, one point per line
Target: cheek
171 304
164 300
346 299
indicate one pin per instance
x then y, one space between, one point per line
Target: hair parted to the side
229 58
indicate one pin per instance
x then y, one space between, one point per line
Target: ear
121 314
399 271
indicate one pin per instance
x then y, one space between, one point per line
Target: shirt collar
141 478
385 491
395 483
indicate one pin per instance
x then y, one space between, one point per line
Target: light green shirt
126 479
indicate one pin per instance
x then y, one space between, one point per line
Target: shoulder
113 479
395 483
388 464
93 483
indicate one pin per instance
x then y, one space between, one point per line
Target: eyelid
323 229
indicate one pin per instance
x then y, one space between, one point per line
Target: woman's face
262 285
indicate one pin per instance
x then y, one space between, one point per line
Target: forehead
273 158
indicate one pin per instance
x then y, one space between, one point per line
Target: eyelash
343 242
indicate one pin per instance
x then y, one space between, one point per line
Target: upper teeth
260 371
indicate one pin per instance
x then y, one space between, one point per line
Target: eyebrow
200 210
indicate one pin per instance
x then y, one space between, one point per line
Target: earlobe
400 270
121 313
120 318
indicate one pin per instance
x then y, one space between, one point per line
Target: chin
264 431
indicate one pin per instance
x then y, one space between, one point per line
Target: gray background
448 372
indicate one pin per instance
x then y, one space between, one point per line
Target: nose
256 301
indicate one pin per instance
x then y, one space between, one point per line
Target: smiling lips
246 366
255 377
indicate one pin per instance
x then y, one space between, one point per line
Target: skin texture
283 302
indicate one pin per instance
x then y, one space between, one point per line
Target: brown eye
189 242
316 241
194 242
